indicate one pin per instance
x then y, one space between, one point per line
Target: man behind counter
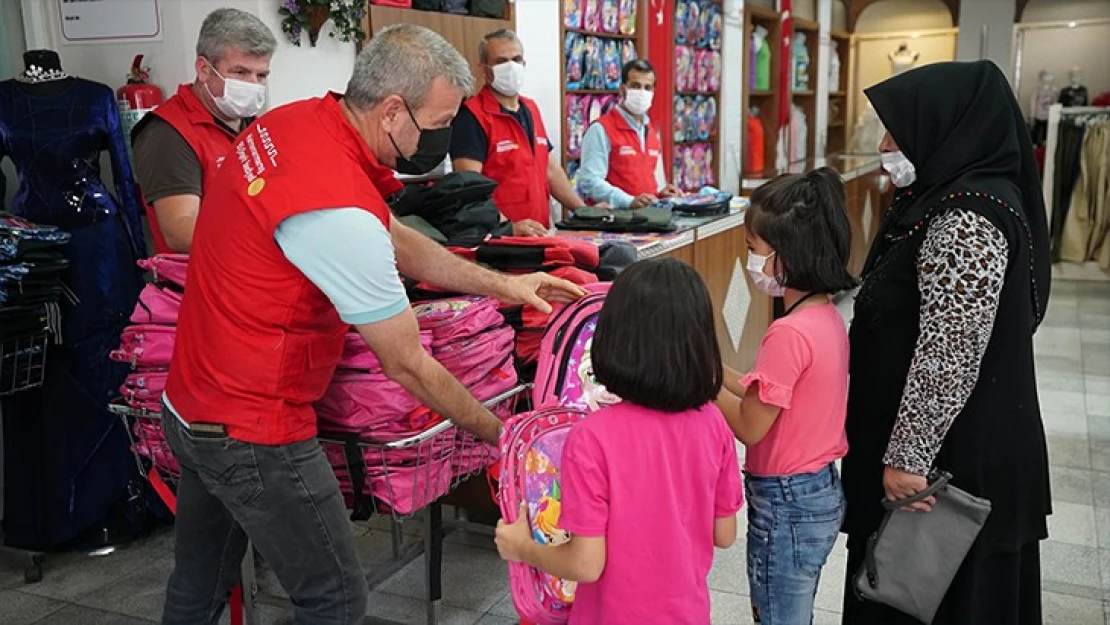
181 144
620 152
500 133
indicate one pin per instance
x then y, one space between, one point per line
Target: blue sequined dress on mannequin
68 467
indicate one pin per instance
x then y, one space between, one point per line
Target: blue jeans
793 522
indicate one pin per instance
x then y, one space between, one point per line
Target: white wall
296 72
1064 10
537 25
997 17
904 15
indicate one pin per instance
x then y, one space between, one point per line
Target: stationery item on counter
577 121
610 16
707 201
627 17
564 372
531 451
799 68
591 18
609 220
695 10
702 60
594 64
714 79
574 48
716 24
628 52
572 13
681 14
704 15
611 58
834 67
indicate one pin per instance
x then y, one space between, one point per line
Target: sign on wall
106 21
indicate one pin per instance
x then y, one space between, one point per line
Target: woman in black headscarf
942 370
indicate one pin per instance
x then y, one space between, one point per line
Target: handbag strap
937 481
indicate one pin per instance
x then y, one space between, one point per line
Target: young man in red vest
179 146
620 151
500 134
295 244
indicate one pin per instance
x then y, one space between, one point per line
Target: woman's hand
512 540
900 484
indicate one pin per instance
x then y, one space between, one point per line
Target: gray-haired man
181 144
297 247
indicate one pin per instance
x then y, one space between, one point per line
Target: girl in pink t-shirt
652 484
789 411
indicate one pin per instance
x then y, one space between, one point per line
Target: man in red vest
294 246
179 146
500 134
620 151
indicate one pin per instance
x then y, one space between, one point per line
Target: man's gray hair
501 34
405 60
232 29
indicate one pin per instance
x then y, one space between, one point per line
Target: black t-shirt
469 140
1073 96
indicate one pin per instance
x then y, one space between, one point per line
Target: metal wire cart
395 477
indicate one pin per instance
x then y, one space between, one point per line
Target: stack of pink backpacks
470 339
147 345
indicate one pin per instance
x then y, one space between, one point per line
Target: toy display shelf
714 140
836 140
766 100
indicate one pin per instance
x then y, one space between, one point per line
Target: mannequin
902 59
1075 94
1043 97
76 469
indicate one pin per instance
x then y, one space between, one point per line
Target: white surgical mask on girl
508 78
241 99
764 282
638 101
901 170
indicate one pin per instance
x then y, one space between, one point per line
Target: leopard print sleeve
960 270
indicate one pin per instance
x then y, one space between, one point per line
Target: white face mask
241 99
901 170
638 101
508 78
764 282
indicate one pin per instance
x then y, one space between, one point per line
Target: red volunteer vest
257 342
631 169
209 140
519 171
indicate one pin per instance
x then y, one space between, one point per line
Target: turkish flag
785 54
660 53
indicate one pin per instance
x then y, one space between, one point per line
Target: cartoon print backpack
574 48
679 119
683 63
531 456
703 26
594 64
611 57
701 71
564 372
716 23
591 19
572 13
628 52
577 110
628 17
680 16
693 16
610 15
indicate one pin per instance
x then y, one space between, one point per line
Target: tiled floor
1073 352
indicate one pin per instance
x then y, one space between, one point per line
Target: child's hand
513 539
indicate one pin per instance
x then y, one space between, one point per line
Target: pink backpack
167 268
357 354
145 346
564 374
143 389
157 305
457 318
531 456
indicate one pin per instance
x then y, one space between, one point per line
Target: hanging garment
1073 96
1084 235
74 465
1069 146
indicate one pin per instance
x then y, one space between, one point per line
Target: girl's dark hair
803 218
655 344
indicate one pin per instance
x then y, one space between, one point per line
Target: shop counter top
850 166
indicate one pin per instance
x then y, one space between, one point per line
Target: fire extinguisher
137 98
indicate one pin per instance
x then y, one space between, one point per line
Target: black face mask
431 149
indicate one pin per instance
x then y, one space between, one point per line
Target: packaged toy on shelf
628 17
574 48
577 111
591 18
693 15
681 14
611 57
683 68
701 70
610 16
716 23
594 65
628 52
572 13
714 82
703 26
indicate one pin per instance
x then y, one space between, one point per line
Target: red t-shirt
802 367
652 484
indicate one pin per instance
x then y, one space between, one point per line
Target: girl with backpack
649 485
790 409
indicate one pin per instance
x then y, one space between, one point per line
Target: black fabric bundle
31 268
459 207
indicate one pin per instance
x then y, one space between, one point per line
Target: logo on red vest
507 145
653 153
541 140
626 150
